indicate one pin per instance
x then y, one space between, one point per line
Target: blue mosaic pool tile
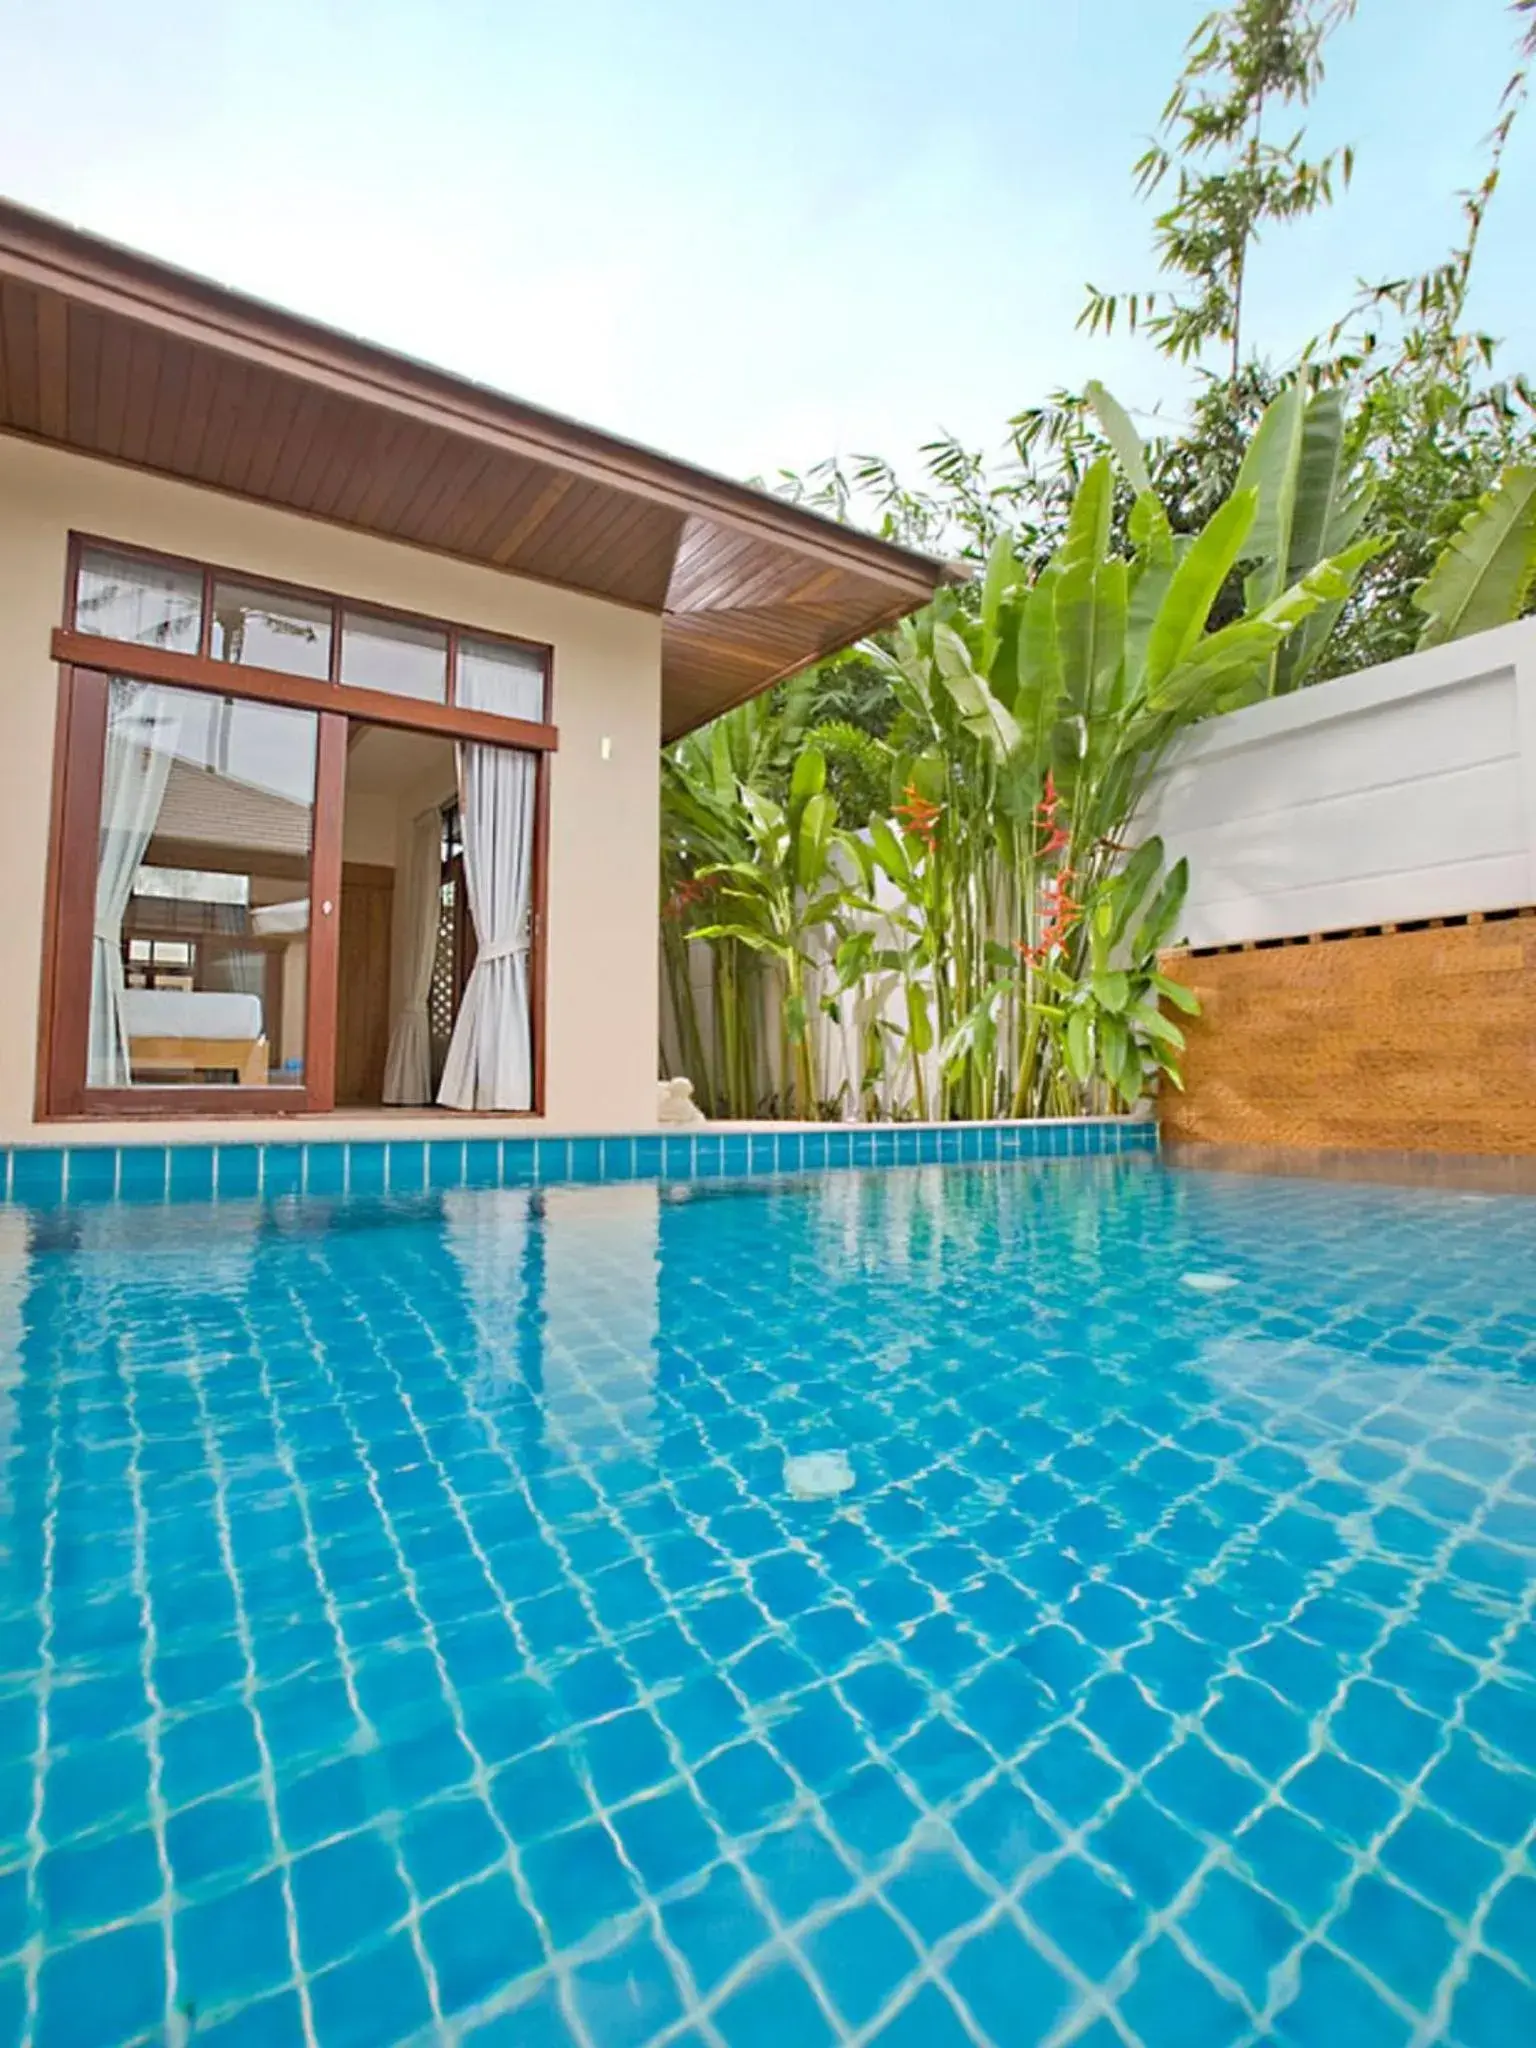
1001 1975
282 1169
1335 2003
1494 2007
143 1172
1240 1930
585 1672
735 1152
367 1164
285 1166
325 1169
376 1995
406 1163
774 2005
237 1170
91 1172
1173 2001
111 1988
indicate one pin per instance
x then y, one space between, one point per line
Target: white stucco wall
1406 791
601 1018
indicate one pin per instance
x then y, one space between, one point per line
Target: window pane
388 654
506 680
150 603
201 949
269 629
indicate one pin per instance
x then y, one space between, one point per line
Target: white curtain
408 1069
490 1058
143 722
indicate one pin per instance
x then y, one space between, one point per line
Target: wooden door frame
64 1007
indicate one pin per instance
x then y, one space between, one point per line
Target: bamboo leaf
1132 884
814 839
891 854
1319 510
1241 652
1150 576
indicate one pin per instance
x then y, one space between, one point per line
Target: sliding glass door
200 942
191 964
245 771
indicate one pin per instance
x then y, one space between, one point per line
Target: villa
479 1567
334 688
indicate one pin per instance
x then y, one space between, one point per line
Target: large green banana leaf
1484 576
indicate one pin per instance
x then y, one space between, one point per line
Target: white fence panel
1404 792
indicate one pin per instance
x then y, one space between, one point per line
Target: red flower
686 895
1061 915
1056 835
919 815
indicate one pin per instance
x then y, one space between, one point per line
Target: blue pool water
407 1633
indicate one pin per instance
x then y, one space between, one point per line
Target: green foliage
1229 178
1106 1022
1484 577
1375 494
986 932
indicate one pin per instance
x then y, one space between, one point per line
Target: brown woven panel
1401 1041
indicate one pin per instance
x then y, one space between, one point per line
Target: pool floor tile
409 1633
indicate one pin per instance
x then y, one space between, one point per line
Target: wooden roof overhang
113 354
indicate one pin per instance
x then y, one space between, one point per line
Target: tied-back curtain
143 724
408 1069
490 1057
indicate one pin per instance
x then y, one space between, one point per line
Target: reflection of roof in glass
218 811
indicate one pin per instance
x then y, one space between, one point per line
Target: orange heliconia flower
1061 914
1056 835
687 895
919 815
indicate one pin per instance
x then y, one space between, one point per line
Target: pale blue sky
749 234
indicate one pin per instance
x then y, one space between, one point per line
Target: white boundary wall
1403 792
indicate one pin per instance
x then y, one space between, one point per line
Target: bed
173 1030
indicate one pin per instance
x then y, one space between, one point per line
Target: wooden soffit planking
113 354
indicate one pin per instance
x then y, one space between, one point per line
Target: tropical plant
1373 495
1037 724
964 933
1109 1034
717 1033
1485 575
777 898
1311 505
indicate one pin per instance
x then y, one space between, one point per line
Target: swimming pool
407 1631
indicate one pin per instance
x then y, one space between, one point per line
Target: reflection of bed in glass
218 1005
195 1031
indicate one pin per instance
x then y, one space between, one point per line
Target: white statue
675 1103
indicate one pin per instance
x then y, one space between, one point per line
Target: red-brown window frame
87 663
